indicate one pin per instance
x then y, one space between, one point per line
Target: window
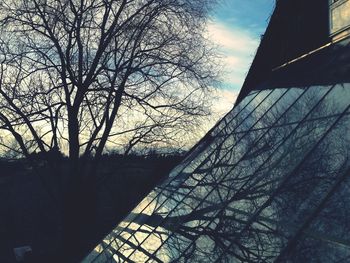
339 17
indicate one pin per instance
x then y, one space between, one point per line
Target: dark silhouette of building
271 181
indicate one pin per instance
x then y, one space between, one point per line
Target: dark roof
326 66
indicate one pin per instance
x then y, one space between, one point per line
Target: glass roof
270 183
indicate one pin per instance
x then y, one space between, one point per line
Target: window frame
334 4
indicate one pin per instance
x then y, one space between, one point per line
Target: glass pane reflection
270 184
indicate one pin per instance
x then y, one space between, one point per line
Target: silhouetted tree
76 74
71 71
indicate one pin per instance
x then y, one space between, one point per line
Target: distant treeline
10 166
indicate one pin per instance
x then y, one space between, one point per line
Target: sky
236 27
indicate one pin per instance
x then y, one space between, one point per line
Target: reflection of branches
254 200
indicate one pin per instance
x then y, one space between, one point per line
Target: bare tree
70 70
73 75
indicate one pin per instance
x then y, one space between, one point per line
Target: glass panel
241 109
264 185
207 187
247 104
265 196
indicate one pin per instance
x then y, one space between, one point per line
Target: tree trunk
79 214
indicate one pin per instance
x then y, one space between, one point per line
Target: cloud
233 39
237 47
222 104
224 101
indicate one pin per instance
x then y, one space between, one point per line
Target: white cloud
223 103
225 100
233 39
237 47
